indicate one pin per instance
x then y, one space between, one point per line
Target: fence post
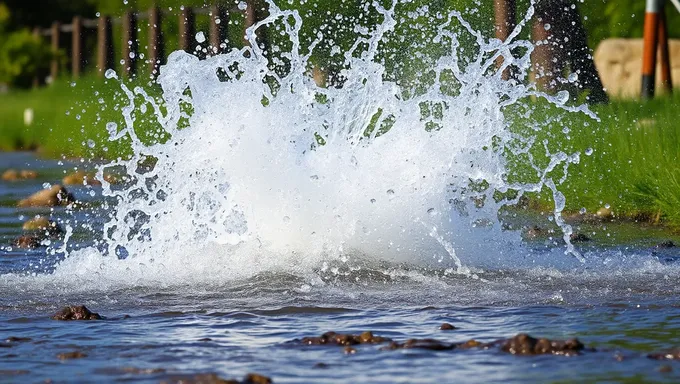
104 45
218 28
187 29
77 47
651 42
55 32
255 12
666 80
156 43
38 75
543 58
505 13
130 44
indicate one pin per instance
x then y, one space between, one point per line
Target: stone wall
619 62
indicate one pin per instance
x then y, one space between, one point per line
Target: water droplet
286 219
572 77
431 211
90 143
562 97
112 128
132 55
242 5
547 26
589 151
98 14
110 74
200 37
390 192
582 211
373 201
607 206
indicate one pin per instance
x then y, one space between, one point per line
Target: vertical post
55 32
104 45
255 12
505 12
38 75
156 43
575 40
187 29
218 28
130 44
666 80
77 47
543 56
651 41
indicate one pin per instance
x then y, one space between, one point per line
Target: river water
163 330
261 208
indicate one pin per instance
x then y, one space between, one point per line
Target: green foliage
22 57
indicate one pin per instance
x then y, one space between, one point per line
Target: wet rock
579 238
55 196
13 339
447 327
349 350
430 344
332 338
71 355
205 339
471 344
15 175
668 355
79 312
604 214
321 366
204 378
28 242
43 225
523 344
6 345
254 378
80 178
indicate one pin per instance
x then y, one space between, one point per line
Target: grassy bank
633 167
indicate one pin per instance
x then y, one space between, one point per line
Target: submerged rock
80 178
332 338
523 344
447 327
73 312
28 242
668 355
55 196
15 175
431 344
71 355
211 378
604 214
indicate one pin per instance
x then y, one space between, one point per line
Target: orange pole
505 13
666 80
651 41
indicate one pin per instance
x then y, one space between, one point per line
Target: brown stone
579 238
447 327
14 339
523 344
55 196
665 369
28 242
44 225
79 312
71 355
254 378
349 350
15 175
204 378
333 338
80 178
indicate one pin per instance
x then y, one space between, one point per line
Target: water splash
261 169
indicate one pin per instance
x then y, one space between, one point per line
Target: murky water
266 209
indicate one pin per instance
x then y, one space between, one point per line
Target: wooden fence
130 55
